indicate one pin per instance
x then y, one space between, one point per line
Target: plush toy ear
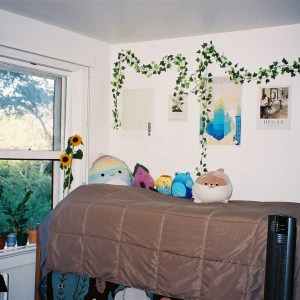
221 170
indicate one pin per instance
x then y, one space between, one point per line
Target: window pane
16 176
27 104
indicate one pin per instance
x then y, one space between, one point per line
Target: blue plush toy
182 185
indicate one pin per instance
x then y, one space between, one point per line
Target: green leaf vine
199 83
128 58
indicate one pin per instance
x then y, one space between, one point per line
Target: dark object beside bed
71 286
163 244
280 258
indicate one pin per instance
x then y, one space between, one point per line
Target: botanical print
224 126
180 114
274 107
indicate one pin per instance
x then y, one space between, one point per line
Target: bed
167 246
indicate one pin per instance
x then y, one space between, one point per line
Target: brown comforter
163 244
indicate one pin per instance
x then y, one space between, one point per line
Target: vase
22 239
32 236
2 242
11 240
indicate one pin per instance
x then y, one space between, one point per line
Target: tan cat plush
214 186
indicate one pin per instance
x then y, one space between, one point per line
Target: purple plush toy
142 178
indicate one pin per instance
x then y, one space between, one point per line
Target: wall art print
224 126
137 111
180 114
274 107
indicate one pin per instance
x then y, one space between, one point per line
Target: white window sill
19 264
16 251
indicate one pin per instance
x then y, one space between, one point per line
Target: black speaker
280 258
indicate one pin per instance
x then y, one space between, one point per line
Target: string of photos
199 83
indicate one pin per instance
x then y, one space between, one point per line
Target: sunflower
65 159
75 140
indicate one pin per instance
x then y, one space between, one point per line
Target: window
30 121
30 109
36 115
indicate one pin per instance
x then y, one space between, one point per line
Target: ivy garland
201 80
127 58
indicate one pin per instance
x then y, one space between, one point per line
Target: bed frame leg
38 274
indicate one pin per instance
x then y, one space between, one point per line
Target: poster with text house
224 126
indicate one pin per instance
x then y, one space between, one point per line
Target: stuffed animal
142 178
163 184
129 293
182 185
214 186
110 170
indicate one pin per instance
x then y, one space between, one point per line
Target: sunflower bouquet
66 159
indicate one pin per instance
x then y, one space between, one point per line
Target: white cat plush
214 186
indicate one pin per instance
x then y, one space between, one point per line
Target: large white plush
110 170
214 186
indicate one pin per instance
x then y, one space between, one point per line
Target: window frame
74 109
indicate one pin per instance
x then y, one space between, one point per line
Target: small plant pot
11 240
32 236
2 242
22 239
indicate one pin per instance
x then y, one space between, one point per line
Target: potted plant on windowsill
32 233
3 235
2 242
16 219
4 230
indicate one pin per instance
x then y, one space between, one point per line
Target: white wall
33 36
266 166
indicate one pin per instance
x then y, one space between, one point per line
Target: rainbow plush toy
110 170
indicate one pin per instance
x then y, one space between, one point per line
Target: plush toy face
163 184
213 180
110 170
212 186
164 181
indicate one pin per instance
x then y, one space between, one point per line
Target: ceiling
127 21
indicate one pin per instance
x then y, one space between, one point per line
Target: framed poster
274 107
179 115
224 127
137 110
